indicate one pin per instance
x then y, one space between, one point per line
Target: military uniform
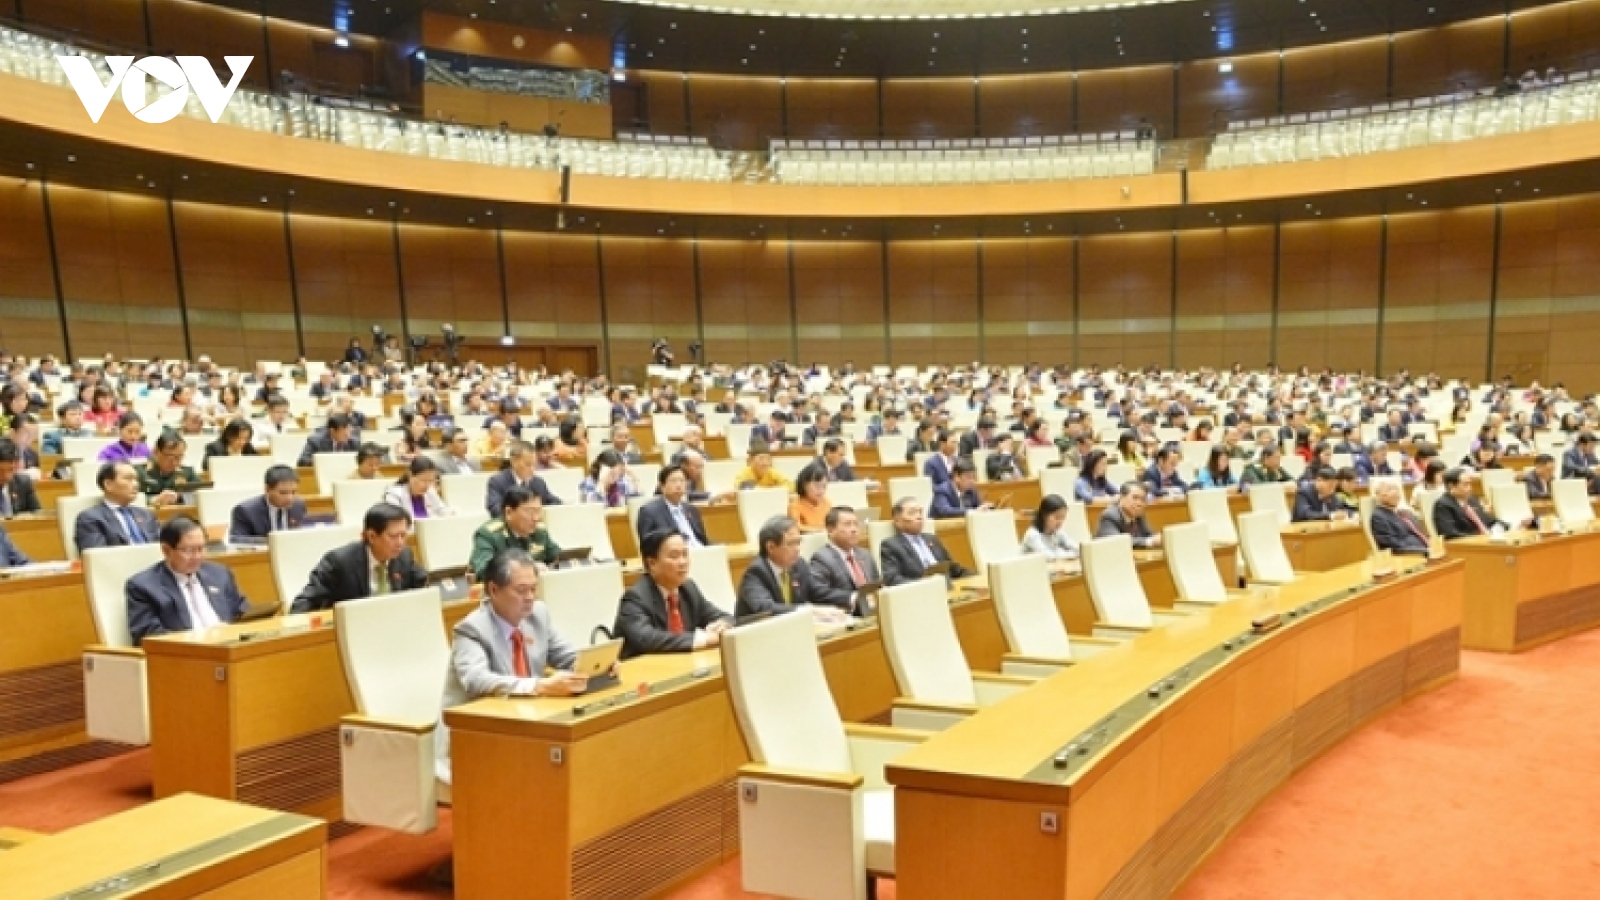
1256 474
495 536
181 480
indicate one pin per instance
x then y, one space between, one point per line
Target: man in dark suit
1539 477
664 612
379 563
519 474
336 437
820 430
17 496
185 591
1319 501
1457 513
952 499
777 581
1126 516
908 552
9 554
1394 430
834 464
938 467
842 566
1162 478
774 432
672 511
980 438
1394 526
116 522
279 508
1580 462
890 425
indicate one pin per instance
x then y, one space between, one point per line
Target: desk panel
1529 593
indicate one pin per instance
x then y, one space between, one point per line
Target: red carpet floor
1488 787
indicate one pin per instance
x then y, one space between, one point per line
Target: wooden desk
37 535
250 712
1161 513
205 847
1169 778
1528 594
1321 547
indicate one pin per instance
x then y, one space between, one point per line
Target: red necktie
1406 518
1474 517
855 567
674 615
519 655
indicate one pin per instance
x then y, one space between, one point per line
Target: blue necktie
135 533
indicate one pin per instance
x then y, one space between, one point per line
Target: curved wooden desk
1530 591
982 810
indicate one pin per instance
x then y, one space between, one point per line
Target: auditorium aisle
1487 787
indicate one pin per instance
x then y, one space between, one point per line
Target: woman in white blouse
1048 536
417 491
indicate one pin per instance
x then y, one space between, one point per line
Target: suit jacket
400 495
156 604
98 526
1113 523
764 432
342 575
24 499
253 517
454 466
902 564
1390 531
506 479
935 469
655 516
9 554
947 504
759 591
1538 489
1160 485
642 618
1393 432
831 581
1308 507
1450 519
321 442
842 473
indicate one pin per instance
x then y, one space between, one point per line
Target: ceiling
1161 31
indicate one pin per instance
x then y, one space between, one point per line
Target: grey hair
773 531
504 565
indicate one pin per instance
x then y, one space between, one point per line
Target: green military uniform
180 480
495 536
1257 473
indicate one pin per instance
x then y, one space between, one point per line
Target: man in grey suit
776 582
279 508
184 591
1126 516
116 522
908 552
672 511
457 446
338 436
842 566
518 474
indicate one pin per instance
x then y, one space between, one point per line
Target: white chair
1119 473
446 543
936 687
580 525
1261 539
1061 481
823 837
720 473
1366 506
757 505
1114 587
284 449
215 505
1510 502
1040 459
1210 505
465 492
848 493
919 488
564 483
811 542
352 498
1026 606
68 508
992 534
877 533
332 467
396 655
1571 498
116 700
296 553
85 449
1187 549
1427 499
583 598
1271 497
708 567
1496 477
239 471
892 449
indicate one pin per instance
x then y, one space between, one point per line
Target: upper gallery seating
978 160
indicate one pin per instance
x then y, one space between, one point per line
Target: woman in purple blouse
417 491
130 446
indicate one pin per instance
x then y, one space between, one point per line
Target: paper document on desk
38 568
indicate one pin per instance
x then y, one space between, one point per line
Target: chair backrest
1571 497
848 493
396 654
1367 504
582 598
106 571
580 525
892 449
720 473
1261 539
1510 502
216 504
1026 606
564 483
68 508
918 487
667 425
920 637
468 491
1061 481
992 534
1118 473
1194 569
331 468
446 542
1493 477
757 505
85 449
1077 524
1113 580
811 542
738 440
708 566
1210 505
877 533
284 448
296 553
781 698
1040 459
1271 497
1429 499
352 498
239 471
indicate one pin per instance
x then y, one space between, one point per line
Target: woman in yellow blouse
759 472
810 504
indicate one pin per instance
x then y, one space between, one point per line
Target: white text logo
188 72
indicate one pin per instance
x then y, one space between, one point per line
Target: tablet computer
939 568
573 554
595 662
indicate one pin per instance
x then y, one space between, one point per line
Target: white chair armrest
1169 616
873 746
992 687
840 781
918 716
1031 666
1116 632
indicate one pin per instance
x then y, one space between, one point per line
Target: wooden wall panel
183 26
832 107
1125 299
1328 294
1574 330
119 22
452 275
1438 290
1208 97
1225 296
32 323
1012 105
664 101
346 278
1548 318
553 286
115 255
310 52
236 283
929 108
1027 301
1354 73
649 293
1438 60
743 113
505 40
1563 35
839 301
933 306
1116 99
744 297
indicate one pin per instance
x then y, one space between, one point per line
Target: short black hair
831 520
382 515
1454 477
338 421
276 400
8 450
1326 473
172 532
832 444
368 451
809 475
129 418
108 472
170 439
772 532
650 546
667 472
277 475
963 467
543 442
514 497
1129 487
